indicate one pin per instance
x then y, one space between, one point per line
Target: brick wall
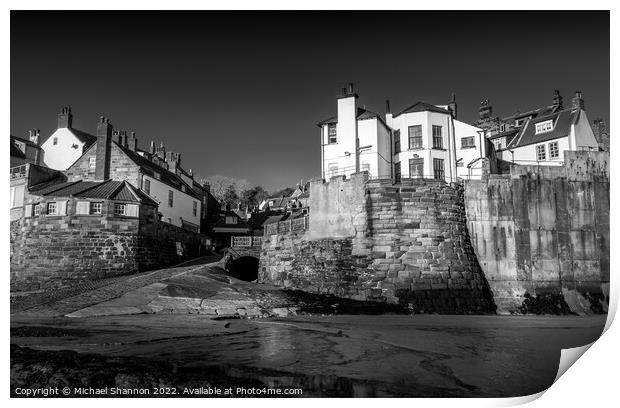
407 244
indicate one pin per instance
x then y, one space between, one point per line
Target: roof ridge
131 188
71 183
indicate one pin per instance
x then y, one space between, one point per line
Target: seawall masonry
539 241
372 240
543 232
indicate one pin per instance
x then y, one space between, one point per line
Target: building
116 156
66 144
229 224
421 141
601 132
541 135
26 150
23 177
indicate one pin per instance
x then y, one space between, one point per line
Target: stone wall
372 240
541 234
48 252
122 168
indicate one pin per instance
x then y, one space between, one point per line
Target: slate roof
166 176
421 106
562 122
108 190
221 223
16 151
26 141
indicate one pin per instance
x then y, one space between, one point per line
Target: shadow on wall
244 268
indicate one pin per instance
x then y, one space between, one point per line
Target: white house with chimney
66 144
421 141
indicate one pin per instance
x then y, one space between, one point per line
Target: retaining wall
542 233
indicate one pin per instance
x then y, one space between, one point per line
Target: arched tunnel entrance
244 268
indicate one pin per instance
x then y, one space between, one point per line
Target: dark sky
239 94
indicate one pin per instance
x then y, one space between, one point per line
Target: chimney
350 88
346 128
33 136
174 161
65 119
132 141
152 148
578 102
388 113
104 143
387 107
452 105
485 110
557 99
116 134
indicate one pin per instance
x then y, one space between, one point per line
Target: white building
421 141
66 144
543 139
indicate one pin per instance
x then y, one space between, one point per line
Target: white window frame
52 205
544 127
55 141
468 145
92 208
554 150
541 152
36 209
231 219
118 207
332 137
92 162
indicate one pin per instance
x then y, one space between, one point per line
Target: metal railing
19 171
247 242
283 227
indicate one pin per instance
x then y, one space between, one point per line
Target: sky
240 93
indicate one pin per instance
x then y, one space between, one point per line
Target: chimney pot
351 87
387 106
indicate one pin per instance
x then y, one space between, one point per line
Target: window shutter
82 207
62 207
28 210
131 210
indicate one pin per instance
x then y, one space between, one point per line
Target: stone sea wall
541 234
404 243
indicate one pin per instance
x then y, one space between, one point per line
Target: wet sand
332 355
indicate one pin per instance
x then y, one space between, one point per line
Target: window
519 122
170 198
554 150
499 143
332 170
95 208
397 172
52 209
397 141
331 133
92 162
365 166
543 127
157 175
416 168
439 169
195 208
55 141
231 219
36 209
119 209
540 153
147 186
502 127
415 137
468 142
437 137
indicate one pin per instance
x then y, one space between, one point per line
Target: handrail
290 225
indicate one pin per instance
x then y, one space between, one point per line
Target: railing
19 171
246 241
282 227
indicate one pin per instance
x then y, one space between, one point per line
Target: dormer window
544 127
331 133
519 122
